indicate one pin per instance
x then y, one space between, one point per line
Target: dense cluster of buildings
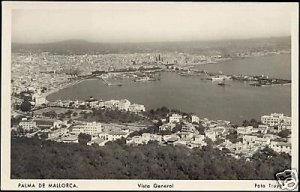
277 120
121 105
249 138
44 72
182 130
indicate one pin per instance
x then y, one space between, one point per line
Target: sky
149 22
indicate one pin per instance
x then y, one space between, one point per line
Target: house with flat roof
281 147
114 135
175 118
91 128
27 124
99 141
136 108
244 130
195 119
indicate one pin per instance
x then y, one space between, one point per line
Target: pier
256 80
106 82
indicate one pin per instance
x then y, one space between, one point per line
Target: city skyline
155 22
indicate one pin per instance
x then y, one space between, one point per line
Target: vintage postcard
149 96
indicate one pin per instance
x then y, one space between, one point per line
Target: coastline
45 95
77 81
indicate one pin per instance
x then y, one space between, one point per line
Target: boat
217 78
222 83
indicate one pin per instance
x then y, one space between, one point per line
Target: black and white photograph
149 96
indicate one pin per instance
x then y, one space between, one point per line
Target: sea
237 101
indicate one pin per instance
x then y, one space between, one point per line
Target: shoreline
45 95
237 58
193 67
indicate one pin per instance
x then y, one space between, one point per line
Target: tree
14 133
85 116
200 128
233 137
209 142
82 107
25 106
69 112
284 133
121 141
177 128
226 150
84 138
252 122
15 121
44 135
33 158
219 141
20 130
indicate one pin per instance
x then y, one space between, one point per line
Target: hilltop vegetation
32 158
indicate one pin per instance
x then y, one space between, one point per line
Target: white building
27 124
199 138
87 128
101 104
175 118
135 140
198 141
98 141
244 130
167 126
263 128
285 123
281 147
146 137
219 131
39 100
195 119
110 104
123 105
211 134
64 103
94 104
136 108
253 140
274 119
114 135
58 132
188 127
69 139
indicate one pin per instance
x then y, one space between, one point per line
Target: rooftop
117 133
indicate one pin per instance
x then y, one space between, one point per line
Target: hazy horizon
151 22
141 42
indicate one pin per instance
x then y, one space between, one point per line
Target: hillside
37 159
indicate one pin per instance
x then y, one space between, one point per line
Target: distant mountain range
86 47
